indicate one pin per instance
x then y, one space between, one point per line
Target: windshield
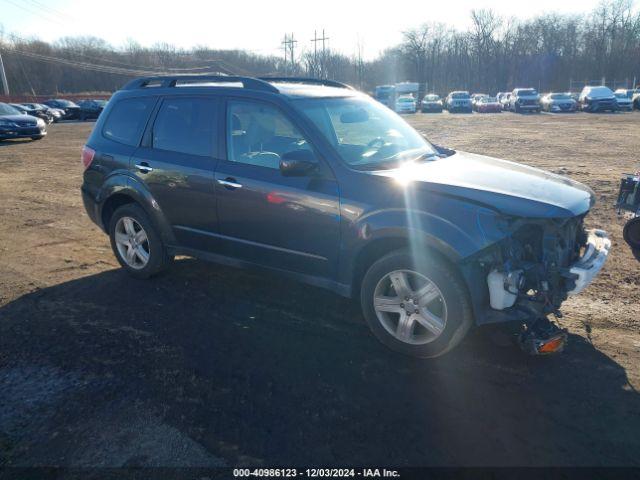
431 98
8 110
560 96
405 100
622 95
487 100
527 92
366 135
460 95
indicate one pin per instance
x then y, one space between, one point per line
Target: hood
19 118
508 187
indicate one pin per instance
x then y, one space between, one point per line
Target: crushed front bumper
592 261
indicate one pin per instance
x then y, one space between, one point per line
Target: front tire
422 311
136 242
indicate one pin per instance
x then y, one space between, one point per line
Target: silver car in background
558 102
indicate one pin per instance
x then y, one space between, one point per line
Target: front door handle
144 167
230 183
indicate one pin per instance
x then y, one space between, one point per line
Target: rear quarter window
127 119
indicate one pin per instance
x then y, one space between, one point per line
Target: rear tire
131 231
433 320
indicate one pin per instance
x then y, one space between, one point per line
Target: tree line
548 52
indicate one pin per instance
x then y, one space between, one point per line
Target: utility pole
3 76
289 46
317 64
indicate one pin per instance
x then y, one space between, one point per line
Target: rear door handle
230 183
144 167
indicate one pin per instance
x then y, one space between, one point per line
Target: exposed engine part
531 268
504 288
542 337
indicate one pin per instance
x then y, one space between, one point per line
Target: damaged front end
531 271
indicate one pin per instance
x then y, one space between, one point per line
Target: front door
289 223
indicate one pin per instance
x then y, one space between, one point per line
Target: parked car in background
431 103
631 93
33 111
623 102
558 102
70 109
488 105
505 101
628 92
597 99
524 100
15 124
406 104
55 113
458 101
474 99
90 109
429 240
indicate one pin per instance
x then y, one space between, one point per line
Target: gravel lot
207 365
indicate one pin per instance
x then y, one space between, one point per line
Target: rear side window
127 120
186 125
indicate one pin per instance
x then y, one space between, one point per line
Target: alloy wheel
132 243
410 307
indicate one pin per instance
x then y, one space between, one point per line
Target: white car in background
624 101
406 104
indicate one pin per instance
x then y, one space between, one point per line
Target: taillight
87 156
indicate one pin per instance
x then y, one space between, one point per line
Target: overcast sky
254 25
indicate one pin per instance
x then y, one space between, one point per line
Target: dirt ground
207 366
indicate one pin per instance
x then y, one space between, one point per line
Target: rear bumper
594 258
92 207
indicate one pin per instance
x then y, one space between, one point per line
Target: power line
36 12
120 70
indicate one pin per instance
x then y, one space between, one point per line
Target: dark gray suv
314 180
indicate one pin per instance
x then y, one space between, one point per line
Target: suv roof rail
170 81
309 80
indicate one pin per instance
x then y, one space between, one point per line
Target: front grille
22 123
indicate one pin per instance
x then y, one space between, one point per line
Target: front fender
455 229
130 186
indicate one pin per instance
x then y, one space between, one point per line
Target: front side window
186 125
366 134
127 119
259 134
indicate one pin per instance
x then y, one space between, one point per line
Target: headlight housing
40 122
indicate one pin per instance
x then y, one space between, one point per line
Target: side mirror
298 163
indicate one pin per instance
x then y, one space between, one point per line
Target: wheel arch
381 246
128 192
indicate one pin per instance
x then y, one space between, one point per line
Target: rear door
177 161
289 223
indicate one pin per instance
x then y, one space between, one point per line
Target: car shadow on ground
17 141
207 365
